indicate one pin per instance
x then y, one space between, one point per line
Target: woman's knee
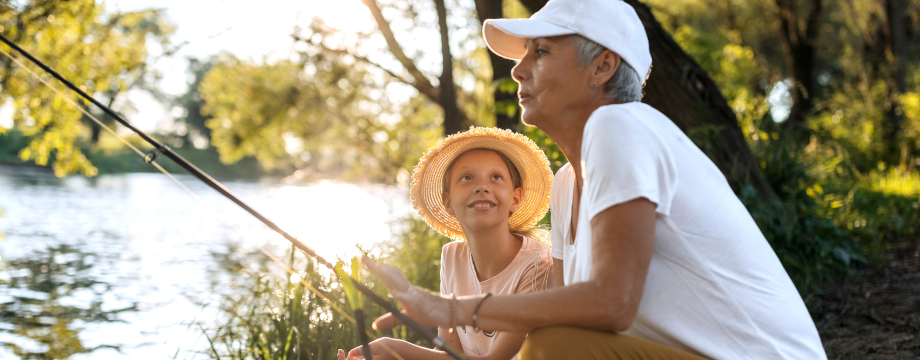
545 343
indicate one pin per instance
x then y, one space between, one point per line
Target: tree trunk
453 120
684 92
799 53
501 67
897 43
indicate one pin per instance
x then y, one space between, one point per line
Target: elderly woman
660 258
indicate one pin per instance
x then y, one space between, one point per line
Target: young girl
485 188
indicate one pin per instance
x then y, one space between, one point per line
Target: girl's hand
425 307
381 349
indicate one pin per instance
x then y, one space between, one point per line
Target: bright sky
249 30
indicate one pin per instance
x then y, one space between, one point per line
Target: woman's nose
518 72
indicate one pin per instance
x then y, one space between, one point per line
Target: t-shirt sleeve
443 265
538 275
559 210
623 160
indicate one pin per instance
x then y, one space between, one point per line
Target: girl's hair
539 233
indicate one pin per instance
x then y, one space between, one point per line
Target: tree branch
431 94
421 82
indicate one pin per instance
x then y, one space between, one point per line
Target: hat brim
507 37
426 191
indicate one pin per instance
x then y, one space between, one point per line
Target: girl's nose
482 189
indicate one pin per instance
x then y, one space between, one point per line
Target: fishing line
208 180
195 195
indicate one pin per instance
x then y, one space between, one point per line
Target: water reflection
46 297
129 270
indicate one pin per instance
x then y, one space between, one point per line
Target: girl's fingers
340 355
356 353
390 275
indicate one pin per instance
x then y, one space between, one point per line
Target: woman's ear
605 65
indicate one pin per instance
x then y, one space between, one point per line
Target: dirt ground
876 313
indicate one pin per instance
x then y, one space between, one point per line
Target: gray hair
624 86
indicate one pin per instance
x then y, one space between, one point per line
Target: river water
120 264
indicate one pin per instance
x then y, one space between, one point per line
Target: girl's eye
496 177
541 52
466 177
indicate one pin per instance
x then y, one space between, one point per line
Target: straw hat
427 189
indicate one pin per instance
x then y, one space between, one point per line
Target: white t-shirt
714 286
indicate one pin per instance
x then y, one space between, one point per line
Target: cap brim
507 37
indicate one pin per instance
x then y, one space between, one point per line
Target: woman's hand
425 307
381 349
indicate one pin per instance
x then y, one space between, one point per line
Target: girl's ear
518 196
447 207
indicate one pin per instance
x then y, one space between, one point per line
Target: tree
445 93
190 104
896 14
506 117
105 54
799 43
297 115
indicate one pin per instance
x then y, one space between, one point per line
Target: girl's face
482 194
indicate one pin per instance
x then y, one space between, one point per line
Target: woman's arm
623 238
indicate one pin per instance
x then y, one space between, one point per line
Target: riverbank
116 159
876 313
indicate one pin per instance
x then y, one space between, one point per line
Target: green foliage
294 115
269 316
103 53
351 292
417 252
844 198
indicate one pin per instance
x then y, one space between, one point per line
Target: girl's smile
482 194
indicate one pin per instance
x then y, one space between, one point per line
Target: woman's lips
523 96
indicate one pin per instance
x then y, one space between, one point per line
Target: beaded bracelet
476 311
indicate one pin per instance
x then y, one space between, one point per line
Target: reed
267 314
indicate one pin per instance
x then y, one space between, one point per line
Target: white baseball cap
611 23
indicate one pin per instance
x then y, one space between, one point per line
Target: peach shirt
531 270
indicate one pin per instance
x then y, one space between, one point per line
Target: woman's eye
541 52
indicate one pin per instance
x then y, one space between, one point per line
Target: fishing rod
159 148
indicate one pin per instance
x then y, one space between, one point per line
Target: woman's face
551 81
482 193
